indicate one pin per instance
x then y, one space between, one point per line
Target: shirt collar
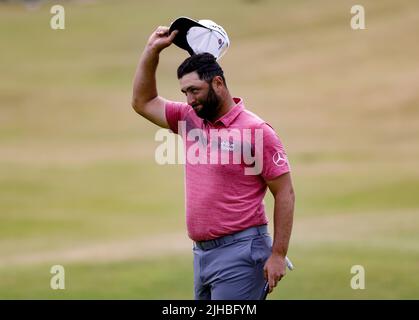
229 117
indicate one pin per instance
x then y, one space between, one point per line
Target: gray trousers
231 267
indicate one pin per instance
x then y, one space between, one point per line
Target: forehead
191 79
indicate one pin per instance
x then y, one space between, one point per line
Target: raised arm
145 99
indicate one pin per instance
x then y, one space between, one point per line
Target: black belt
211 244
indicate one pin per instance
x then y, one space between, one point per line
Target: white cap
200 36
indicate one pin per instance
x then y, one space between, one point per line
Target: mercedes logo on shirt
279 159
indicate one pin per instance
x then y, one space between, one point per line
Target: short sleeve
275 161
175 112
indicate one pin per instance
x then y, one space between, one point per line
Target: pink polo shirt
225 185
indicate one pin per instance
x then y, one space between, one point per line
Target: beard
210 106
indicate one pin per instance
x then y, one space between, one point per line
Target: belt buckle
212 244
203 245
208 244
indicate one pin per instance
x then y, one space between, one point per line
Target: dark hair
204 64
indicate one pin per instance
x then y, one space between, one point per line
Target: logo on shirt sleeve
279 159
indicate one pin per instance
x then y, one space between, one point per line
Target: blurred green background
79 186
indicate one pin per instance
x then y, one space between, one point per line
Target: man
233 253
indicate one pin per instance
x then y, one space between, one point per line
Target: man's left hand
274 270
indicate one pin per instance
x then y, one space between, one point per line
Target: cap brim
183 24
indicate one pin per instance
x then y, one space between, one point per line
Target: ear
217 83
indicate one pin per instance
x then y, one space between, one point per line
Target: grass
79 185
143 279
320 272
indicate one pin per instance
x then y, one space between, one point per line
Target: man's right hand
161 39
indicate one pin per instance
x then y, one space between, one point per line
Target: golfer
234 254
